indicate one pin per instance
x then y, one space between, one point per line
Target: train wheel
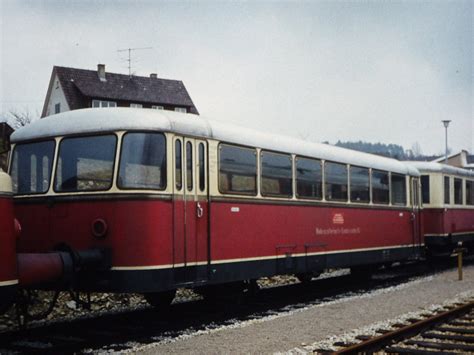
160 300
305 278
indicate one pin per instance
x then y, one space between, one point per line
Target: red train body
147 201
8 267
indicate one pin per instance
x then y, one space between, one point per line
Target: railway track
450 331
124 330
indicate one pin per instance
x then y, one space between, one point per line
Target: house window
57 108
180 109
101 103
136 105
154 107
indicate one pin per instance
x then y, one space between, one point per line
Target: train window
179 164
237 170
380 187
85 163
202 168
143 161
189 166
31 167
335 181
360 184
276 175
309 178
457 191
447 186
399 189
469 192
425 188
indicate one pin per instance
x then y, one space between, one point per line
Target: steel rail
377 343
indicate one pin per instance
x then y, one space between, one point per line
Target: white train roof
433 167
114 119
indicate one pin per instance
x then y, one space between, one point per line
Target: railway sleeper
440 346
463 338
403 350
455 330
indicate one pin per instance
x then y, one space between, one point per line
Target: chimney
153 75
101 72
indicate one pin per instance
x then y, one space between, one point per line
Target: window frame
52 173
297 195
201 166
325 182
177 186
447 192
392 199
257 162
389 202
122 137
260 177
461 193
469 198
369 200
98 134
428 186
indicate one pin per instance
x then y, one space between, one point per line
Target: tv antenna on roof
129 60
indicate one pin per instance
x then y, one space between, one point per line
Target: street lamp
446 124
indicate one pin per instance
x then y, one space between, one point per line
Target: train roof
433 167
86 121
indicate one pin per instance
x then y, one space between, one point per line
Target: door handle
199 210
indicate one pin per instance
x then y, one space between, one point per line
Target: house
461 159
72 89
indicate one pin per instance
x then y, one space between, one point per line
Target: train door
190 201
416 217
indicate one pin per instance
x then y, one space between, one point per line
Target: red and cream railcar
176 199
448 206
8 268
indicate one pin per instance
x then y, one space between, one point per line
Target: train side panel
8 264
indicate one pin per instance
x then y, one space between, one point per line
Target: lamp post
446 124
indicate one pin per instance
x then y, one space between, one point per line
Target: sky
375 71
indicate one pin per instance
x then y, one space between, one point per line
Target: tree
17 119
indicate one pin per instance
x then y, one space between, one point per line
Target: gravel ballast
302 329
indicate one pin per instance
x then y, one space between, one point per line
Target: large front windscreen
85 163
31 167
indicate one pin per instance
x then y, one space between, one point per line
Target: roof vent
153 75
101 72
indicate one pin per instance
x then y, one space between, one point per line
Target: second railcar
448 206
